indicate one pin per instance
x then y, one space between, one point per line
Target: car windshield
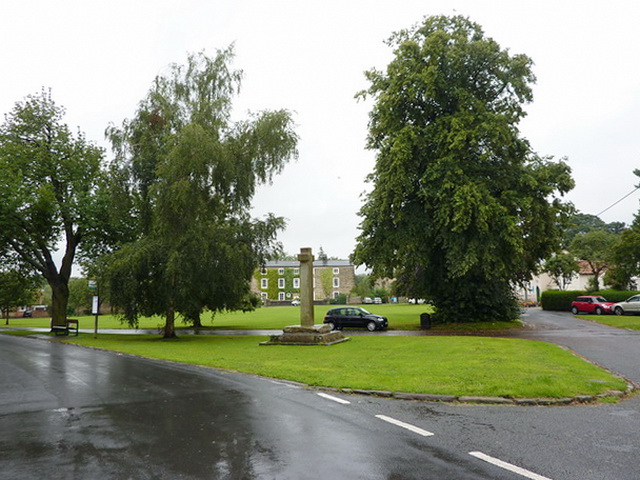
364 311
600 299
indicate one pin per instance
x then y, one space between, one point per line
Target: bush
616 295
560 301
341 300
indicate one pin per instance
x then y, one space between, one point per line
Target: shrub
559 300
616 295
341 300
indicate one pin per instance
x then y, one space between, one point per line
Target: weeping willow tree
189 173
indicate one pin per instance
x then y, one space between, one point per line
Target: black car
338 318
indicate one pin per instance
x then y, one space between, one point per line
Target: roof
316 263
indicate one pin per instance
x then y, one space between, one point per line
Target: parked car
295 303
367 300
27 313
377 300
630 305
591 304
338 318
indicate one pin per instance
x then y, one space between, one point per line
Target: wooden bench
71 326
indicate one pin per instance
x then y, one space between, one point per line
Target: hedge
560 300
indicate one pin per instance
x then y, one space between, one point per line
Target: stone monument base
299 335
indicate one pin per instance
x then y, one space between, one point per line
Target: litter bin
425 321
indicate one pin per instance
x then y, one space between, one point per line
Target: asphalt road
68 412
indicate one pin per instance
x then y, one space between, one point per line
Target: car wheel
619 311
332 326
574 310
598 311
371 326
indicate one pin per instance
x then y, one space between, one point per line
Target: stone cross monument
306 288
307 333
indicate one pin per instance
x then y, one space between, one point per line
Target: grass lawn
401 317
439 365
624 321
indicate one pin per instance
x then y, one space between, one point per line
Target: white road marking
408 426
335 399
508 466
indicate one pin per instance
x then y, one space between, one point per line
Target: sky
309 57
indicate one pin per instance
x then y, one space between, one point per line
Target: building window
335 295
296 283
336 282
336 271
281 283
263 271
281 271
264 283
296 271
263 295
281 296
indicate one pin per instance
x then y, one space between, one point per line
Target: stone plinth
303 335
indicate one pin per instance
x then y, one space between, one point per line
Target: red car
591 304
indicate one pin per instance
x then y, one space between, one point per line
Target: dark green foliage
558 300
596 248
363 287
80 297
341 300
17 288
561 268
49 180
189 174
461 208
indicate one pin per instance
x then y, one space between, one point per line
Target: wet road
72 413
614 348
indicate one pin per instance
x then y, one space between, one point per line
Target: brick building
279 280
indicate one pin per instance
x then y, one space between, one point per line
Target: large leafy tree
190 174
579 223
596 248
48 185
561 268
461 208
626 254
17 288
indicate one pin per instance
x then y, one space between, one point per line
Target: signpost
95 306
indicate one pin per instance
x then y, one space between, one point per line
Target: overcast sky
100 57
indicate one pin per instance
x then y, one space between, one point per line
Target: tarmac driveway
616 349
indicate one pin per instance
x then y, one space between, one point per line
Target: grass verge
401 317
631 322
439 365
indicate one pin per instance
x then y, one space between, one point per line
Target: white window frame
336 282
336 271
264 283
281 271
335 294
296 271
263 295
263 271
281 283
281 296
296 282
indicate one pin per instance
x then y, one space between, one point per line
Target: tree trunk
59 302
169 326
